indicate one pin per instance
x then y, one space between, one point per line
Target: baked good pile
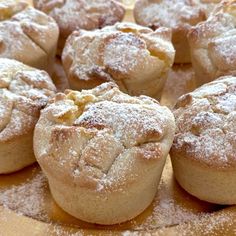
103 143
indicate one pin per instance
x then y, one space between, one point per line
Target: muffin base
206 183
16 153
106 207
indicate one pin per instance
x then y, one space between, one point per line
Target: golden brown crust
134 57
89 130
24 91
205 122
213 42
178 15
72 15
102 148
27 35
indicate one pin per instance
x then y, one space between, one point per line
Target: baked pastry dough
213 43
24 91
178 15
71 15
27 35
203 153
103 152
135 57
209 5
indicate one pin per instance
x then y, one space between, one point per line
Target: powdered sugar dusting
10 8
168 213
39 28
168 13
205 123
130 123
102 128
27 198
92 14
210 224
24 29
224 51
213 43
125 53
32 198
127 48
23 92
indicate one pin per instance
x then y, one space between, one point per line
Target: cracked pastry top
205 121
24 91
212 43
27 35
71 15
178 15
96 138
135 57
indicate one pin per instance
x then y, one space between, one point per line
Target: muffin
135 57
203 153
103 152
24 91
212 44
72 15
178 15
27 35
